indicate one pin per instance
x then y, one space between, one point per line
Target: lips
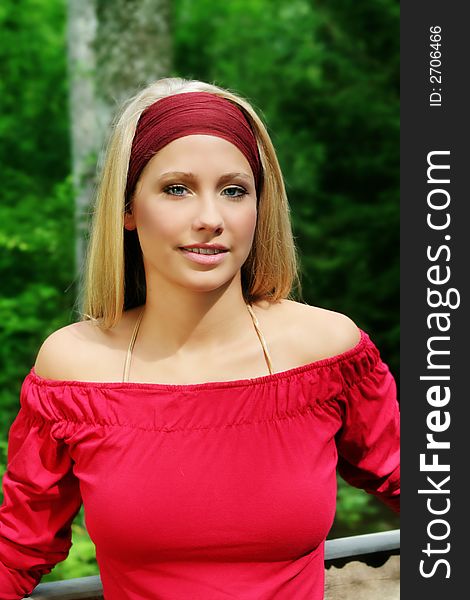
205 248
204 255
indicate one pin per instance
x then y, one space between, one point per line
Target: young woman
197 412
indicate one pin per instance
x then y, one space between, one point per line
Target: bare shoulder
81 351
335 331
309 333
65 350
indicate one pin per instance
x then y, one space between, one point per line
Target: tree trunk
115 48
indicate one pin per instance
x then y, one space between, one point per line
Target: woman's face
198 191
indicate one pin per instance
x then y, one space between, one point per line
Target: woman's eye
180 190
235 192
175 190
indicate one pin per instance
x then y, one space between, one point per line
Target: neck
188 320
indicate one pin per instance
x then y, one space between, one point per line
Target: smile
205 250
205 256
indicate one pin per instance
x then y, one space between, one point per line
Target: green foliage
36 208
37 263
33 123
359 513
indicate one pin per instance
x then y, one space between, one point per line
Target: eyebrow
193 177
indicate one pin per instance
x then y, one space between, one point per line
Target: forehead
200 152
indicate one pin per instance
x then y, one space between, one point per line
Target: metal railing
355 567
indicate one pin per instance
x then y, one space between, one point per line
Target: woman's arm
369 441
41 498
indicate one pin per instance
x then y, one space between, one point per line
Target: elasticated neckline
361 345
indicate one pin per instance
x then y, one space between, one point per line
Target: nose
208 216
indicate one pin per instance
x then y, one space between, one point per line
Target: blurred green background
325 78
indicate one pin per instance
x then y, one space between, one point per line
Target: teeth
204 250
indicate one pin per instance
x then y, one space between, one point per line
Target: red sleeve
41 499
369 439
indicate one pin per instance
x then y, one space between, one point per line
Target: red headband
184 114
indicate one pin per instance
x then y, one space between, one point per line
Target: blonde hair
114 277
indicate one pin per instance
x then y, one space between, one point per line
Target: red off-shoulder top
205 491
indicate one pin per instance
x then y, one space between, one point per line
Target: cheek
153 223
248 224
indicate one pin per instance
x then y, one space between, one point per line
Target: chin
203 284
